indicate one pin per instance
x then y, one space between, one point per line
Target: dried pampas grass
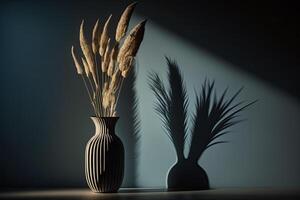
115 80
104 37
77 65
111 66
126 63
124 21
105 59
95 37
114 63
86 67
125 72
87 52
132 42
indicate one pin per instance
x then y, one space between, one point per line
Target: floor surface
151 194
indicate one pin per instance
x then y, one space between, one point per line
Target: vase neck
105 125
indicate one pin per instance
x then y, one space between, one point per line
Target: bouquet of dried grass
106 61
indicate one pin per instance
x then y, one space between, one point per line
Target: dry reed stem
132 42
97 72
124 21
88 91
97 100
112 101
104 37
119 91
77 65
87 73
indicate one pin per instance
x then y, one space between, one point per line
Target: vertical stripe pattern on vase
104 157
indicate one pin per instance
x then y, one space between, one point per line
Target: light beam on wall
262 150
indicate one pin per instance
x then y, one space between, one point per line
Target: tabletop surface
146 193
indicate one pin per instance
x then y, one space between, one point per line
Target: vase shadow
211 119
172 106
128 128
187 175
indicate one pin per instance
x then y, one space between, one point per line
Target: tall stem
97 71
88 91
102 85
91 84
98 86
118 95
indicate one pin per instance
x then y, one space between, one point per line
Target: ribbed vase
104 157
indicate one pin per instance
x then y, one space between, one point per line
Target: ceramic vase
104 157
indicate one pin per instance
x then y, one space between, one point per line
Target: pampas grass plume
95 37
132 41
104 37
86 67
124 21
77 65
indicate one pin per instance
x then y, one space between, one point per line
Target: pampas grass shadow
210 121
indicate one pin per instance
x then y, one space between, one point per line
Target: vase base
113 191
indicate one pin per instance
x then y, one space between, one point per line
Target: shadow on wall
52 124
128 128
211 119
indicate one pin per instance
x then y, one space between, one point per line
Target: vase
186 174
104 157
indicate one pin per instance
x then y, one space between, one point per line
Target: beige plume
103 75
132 41
126 63
127 66
105 61
87 52
126 72
124 21
105 101
86 67
77 65
95 37
115 79
110 69
105 97
105 88
113 57
104 37
114 52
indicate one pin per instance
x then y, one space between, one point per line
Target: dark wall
44 108
45 121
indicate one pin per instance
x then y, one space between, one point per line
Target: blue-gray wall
263 150
45 113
